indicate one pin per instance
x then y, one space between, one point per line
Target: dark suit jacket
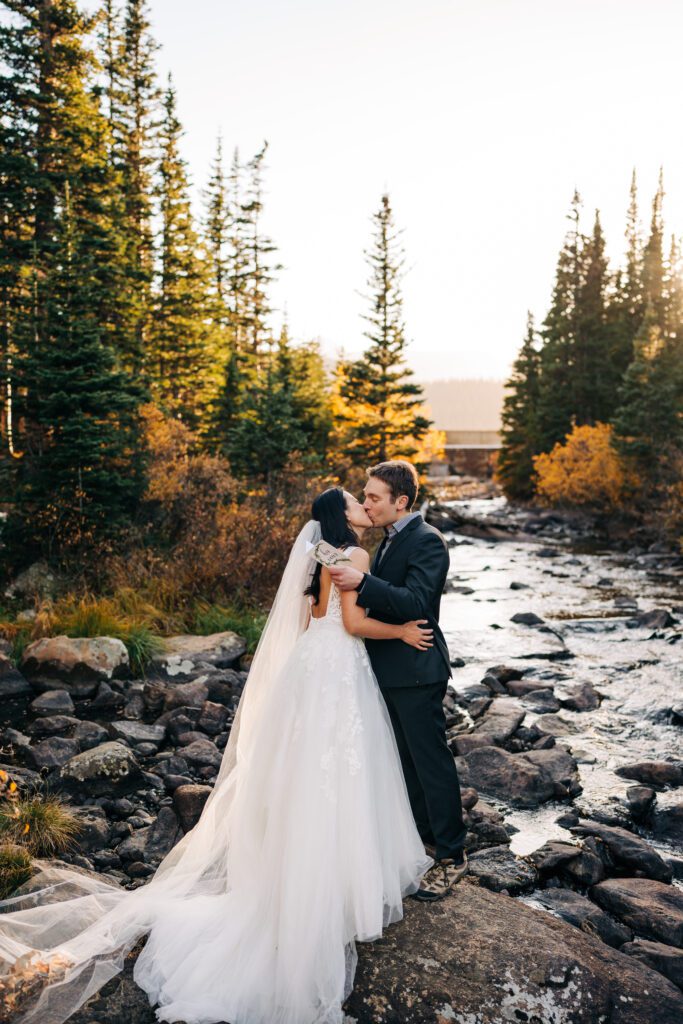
408 584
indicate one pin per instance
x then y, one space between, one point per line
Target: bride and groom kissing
336 797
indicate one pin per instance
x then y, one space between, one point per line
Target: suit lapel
378 568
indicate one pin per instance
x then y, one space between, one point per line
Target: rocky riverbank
564 718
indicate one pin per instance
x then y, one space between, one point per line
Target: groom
406 582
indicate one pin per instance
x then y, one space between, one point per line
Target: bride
306 842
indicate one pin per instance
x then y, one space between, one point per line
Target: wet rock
527 618
653 773
108 768
184 656
95 828
89 735
585 870
665 959
667 822
500 721
493 684
185 738
627 849
53 752
497 868
560 766
505 673
53 702
52 725
514 963
640 800
137 732
12 682
202 753
583 697
516 585
192 694
521 687
579 911
652 909
76 665
212 718
508 777
151 844
658 618
106 699
541 701
549 857
188 801
556 725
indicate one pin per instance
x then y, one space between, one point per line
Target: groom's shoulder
425 530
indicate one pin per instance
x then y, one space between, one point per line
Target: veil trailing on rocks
60 942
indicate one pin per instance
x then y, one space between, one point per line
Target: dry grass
15 868
42 825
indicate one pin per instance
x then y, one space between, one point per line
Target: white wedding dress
306 844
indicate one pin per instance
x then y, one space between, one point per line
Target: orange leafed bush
585 470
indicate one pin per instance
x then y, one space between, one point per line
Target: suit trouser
419 723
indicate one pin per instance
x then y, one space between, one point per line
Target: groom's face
379 504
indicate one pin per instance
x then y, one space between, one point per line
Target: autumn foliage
584 470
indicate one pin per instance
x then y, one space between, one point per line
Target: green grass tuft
15 868
43 825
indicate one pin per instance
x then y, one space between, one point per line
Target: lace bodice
334 608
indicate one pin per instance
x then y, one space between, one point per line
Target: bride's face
355 513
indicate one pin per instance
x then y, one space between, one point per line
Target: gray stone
203 753
54 702
89 735
508 777
152 843
52 725
137 732
527 618
582 697
498 868
53 752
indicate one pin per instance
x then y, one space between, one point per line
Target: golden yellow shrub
584 470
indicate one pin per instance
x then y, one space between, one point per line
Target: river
586 597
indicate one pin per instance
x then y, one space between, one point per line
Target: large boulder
665 959
183 657
74 664
652 909
478 957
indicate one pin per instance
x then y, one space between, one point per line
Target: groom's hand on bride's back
345 577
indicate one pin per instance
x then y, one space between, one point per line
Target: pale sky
478 116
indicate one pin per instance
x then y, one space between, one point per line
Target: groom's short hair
400 477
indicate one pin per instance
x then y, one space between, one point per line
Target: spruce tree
256 250
653 259
180 357
379 411
519 434
81 472
559 332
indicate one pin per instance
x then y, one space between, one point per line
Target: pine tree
592 380
519 434
133 101
653 259
256 249
81 471
52 132
180 358
649 421
378 406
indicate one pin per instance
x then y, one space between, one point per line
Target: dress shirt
390 532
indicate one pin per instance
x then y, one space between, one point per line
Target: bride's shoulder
359 556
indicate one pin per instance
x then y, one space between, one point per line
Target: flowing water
582 595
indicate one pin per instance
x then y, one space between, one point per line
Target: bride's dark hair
329 508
